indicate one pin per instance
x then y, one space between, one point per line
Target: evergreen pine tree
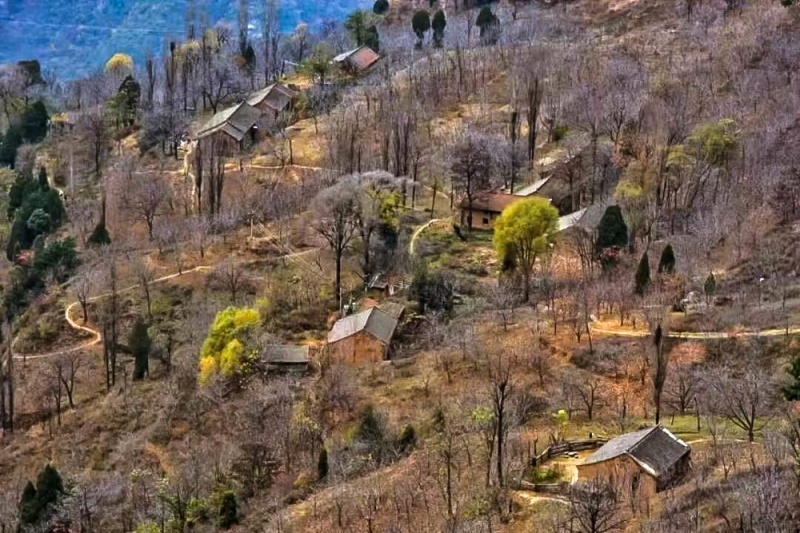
792 391
139 344
612 231
438 24
44 184
642 279
29 505
381 7
322 464
408 439
710 286
666 265
228 514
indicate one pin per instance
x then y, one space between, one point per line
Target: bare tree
744 395
501 390
336 212
145 197
596 507
471 169
67 367
232 276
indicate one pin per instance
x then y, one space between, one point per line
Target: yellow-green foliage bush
225 350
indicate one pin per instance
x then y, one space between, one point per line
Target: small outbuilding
364 337
644 462
358 60
485 208
286 357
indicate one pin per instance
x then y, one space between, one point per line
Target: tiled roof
655 449
374 321
360 58
491 201
286 354
587 218
236 121
275 96
533 188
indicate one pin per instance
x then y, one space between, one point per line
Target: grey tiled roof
286 354
374 321
275 96
654 449
236 121
587 218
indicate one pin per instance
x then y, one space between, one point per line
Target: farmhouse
358 60
644 462
486 207
364 337
236 126
274 101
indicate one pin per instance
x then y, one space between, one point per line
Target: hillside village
442 266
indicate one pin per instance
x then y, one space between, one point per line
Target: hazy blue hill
74 37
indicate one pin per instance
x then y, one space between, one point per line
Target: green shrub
408 439
228 513
322 464
559 132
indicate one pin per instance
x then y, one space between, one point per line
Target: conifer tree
140 344
322 464
666 265
642 279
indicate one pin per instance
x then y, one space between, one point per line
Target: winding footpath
707 335
96 336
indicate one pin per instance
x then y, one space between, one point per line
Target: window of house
485 220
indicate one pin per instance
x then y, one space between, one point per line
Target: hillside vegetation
171 356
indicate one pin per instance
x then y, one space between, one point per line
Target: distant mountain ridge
76 37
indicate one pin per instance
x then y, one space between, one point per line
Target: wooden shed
364 337
643 462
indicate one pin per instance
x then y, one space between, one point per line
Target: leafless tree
232 276
502 390
471 169
335 211
596 508
145 197
744 394
145 276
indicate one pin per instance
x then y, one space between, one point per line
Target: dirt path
707 335
413 242
96 335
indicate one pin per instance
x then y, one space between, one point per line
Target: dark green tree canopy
666 265
438 23
612 232
792 391
140 344
642 279
421 23
381 7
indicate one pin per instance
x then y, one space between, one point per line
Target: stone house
364 337
641 463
